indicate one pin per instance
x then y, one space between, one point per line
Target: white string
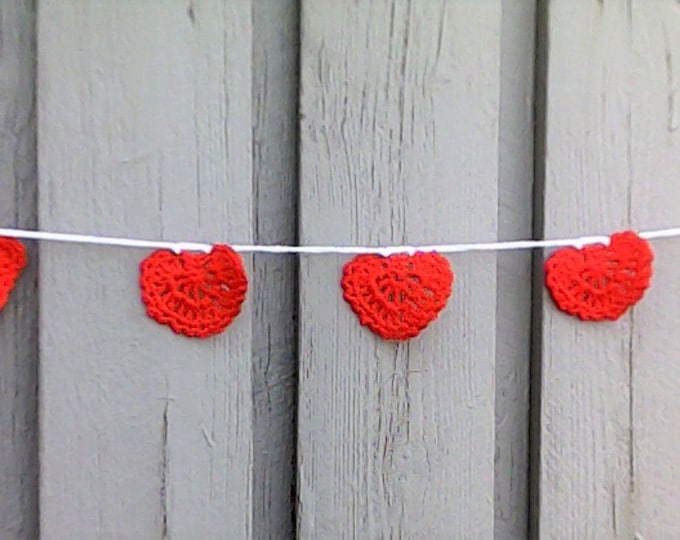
178 247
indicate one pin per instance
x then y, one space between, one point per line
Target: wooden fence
337 122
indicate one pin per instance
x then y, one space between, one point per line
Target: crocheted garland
396 297
196 294
12 262
600 282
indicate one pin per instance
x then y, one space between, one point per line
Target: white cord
178 247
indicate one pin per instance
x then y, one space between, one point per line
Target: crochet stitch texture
196 294
12 262
600 282
396 297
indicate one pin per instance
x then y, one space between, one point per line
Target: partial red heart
600 282
397 296
196 294
12 262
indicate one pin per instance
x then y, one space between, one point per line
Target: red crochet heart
397 296
196 294
12 262
600 282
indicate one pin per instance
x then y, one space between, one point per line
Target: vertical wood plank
18 320
513 319
609 401
399 143
585 391
144 130
275 98
654 163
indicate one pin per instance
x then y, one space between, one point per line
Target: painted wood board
275 98
513 293
654 138
608 404
399 144
19 318
144 130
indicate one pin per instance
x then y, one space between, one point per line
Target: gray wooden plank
18 321
399 143
275 97
585 463
654 162
513 319
144 130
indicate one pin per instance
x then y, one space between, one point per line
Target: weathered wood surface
399 144
274 277
513 294
18 321
655 192
585 391
609 462
415 117
144 130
